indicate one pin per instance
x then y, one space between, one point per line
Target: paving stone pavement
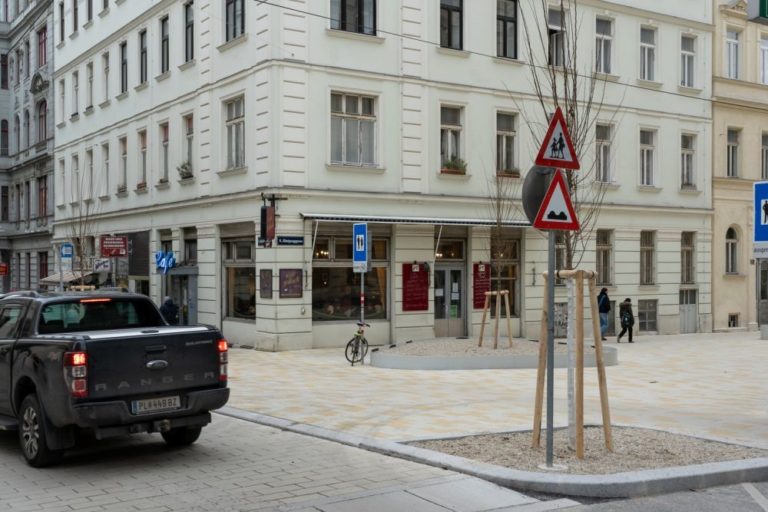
241 466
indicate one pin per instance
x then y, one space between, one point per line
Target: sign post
760 245
360 257
65 261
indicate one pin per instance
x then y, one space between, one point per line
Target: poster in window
291 283
415 287
482 283
265 283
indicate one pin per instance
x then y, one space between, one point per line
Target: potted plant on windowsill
121 189
508 173
454 165
185 170
141 185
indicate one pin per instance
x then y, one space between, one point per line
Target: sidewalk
708 385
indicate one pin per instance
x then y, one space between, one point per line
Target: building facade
183 119
26 143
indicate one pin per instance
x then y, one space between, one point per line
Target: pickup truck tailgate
169 358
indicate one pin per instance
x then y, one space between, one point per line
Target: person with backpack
170 311
603 307
627 319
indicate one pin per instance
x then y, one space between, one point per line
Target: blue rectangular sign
760 224
360 247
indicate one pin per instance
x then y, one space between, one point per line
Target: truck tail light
223 347
76 373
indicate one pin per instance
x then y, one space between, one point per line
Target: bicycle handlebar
361 324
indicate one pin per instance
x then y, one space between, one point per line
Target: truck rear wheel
182 436
33 432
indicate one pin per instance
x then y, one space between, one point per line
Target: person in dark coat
604 307
627 319
170 311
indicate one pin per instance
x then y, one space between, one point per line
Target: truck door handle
155 348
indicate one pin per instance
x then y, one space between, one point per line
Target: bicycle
357 347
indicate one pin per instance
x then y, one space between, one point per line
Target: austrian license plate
166 403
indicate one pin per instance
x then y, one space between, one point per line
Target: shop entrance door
449 302
184 294
689 312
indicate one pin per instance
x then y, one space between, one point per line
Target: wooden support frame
501 294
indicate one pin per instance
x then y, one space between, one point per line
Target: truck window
92 314
9 317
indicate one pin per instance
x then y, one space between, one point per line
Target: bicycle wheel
352 351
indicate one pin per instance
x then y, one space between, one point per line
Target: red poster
482 283
415 287
3 269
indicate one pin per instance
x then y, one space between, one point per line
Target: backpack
626 319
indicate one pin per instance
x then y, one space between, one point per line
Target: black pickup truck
107 363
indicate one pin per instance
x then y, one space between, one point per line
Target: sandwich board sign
556 211
557 147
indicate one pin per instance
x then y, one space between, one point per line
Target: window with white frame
603 153
647 315
123 67
732 54
165 42
235 127
505 144
451 23
89 186
105 169
354 16
74 189
764 159
647 257
62 180
505 269
687 161
105 74
450 137
603 43
648 54
506 28
764 59
731 251
143 157
604 256
687 253
234 18
647 154
122 184
89 85
143 64
62 96
75 93
164 156
556 33
353 129
732 164
189 139
687 60
189 31
239 260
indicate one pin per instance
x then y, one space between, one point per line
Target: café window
336 288
505 261
240 278
450 250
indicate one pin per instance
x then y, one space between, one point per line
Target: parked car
107 363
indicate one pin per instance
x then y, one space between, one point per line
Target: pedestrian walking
627 319
604 307
170 311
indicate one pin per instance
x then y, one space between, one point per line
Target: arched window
42 121
731 251
26 129
4 138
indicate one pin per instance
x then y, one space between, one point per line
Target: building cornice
643 13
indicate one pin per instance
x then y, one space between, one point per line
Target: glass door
449 302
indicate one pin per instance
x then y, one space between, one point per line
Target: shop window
336 288
240 275
646 315
450 250
505 260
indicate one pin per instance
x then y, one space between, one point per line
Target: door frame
446 267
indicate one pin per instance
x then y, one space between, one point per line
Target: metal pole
550 345
362 297
61 269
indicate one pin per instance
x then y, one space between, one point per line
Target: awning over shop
386 219
67 277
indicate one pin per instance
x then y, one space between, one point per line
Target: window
105 169
17 132
143 156
75 93
123 183
647 257
240 270
353 130
505 260
61 22
123 67
235 133
165 54
164 163
354 16
28 268
27 200
235 18
89 166
647 54
731 252
74 186
603 43
4 71
27 138
104 5
603 153
687 252
4 137
556 31
732 54
505 144
143 56
189 31
687 160
646 315
105 68
42 265
4 203
89 85
42 46
27 57
336 288
764 160
688 59
604 256
42 197
450 136
189 138
647 146
732 167
89 9
506 28
451 24
74 15
42 121
733 320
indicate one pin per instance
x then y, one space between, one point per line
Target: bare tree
80 228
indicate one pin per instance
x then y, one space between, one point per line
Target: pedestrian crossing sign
557 147
556 211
